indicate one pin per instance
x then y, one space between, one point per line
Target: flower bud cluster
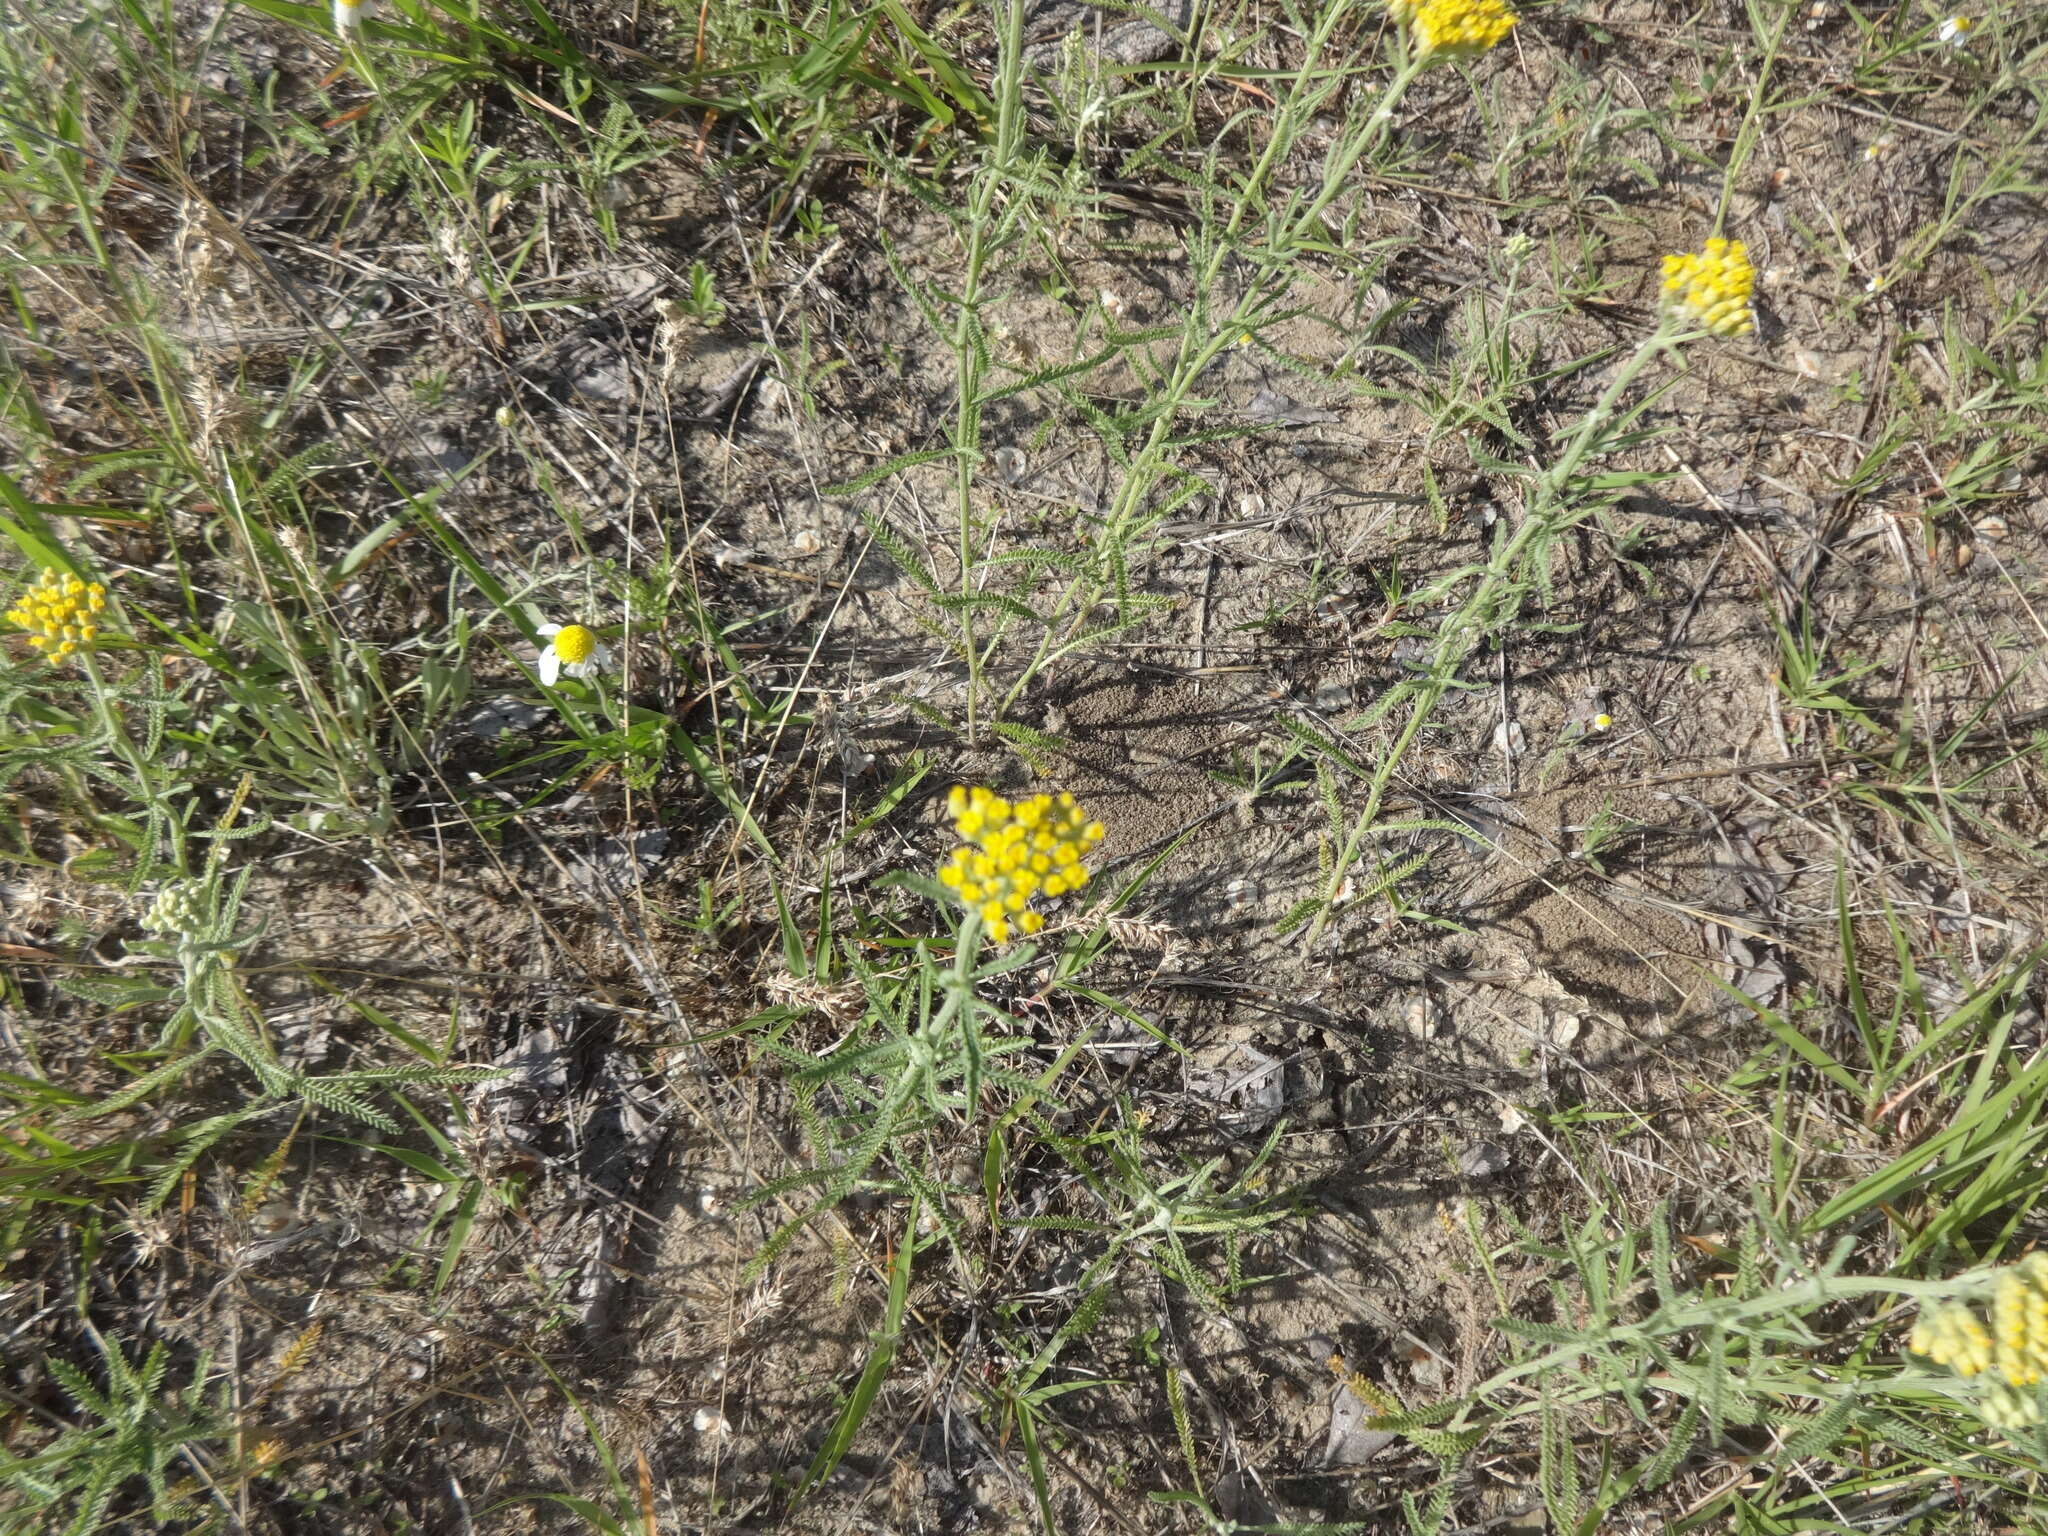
179 910
1952 1336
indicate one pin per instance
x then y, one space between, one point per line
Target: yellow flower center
575 644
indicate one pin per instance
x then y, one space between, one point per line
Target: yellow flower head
1455 28
1952 1336
1015 853
2006 1409
1713 287
2012 1354
60 613
2019 1322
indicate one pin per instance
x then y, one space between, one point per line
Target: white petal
548 631
550 666
602 657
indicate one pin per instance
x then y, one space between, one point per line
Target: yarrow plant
1015 854
60 613
1712 288
2012 1353
571 649
1709 291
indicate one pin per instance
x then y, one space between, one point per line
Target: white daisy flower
348 17
572 649
1956 30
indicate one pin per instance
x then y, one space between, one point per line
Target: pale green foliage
133 1427
266 670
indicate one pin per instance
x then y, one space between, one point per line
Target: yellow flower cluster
2019 1321
1015 853
1953 1336
2013 1351
1713 287
60 613
1454 28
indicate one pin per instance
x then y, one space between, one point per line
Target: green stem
1746 135
1720 1314
967 943
1475 619
1380 125
969 346
1199 349
146 788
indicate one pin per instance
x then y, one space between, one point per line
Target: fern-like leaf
266 1174
333 1094
1036 747
901 553
1557 1471
1316 741
142 1088
195 1141
868 479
